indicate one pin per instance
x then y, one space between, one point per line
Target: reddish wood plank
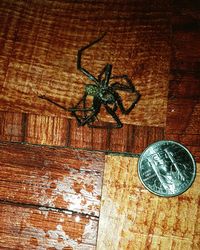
31 228
183 116
60 178
89 138
133 139
140 137
101 139
12 126
35 62
80 137
46 130
130 138
57 131
192 142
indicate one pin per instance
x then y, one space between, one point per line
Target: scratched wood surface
31 228
50 197
133 218
51 177
157 45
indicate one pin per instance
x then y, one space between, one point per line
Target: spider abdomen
107 96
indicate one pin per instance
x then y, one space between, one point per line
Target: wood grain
30 228
58 131
12 126
47 130
40 40
50 177
183 116
133 218
50 195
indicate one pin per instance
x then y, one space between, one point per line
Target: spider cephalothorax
104 91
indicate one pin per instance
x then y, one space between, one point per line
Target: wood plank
137 138
129 138
51 177
46 130
192 142
34 62
58 131
183 116
32 228
133 218
80 137
12 126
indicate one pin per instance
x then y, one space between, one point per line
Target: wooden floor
52 171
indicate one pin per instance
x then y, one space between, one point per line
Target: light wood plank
46 130
133 218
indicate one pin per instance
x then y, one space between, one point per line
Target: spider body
103 93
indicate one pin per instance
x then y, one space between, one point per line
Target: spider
102 92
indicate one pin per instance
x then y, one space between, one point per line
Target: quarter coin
166 168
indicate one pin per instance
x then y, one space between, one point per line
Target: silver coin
166 168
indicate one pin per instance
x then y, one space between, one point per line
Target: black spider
102 93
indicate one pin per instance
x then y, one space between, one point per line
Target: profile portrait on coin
166 168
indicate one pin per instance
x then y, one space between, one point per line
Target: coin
166 168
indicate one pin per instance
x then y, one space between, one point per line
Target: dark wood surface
183 113
51 169
40 51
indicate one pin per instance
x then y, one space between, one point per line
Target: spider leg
121 106
55 103
85 119
129 87
79 55
114 116
115 107
80 109
119 86
107 70
88 119
75 108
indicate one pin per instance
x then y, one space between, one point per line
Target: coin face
166 168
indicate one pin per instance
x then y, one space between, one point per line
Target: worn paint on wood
50 177
49 197
133 218
39 47
30 228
